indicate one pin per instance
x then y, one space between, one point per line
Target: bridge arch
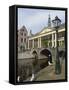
47 53
34 51
43 51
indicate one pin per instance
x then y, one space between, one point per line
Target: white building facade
47 38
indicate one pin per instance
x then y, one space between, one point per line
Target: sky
36 19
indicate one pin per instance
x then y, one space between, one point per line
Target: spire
30 33
49 21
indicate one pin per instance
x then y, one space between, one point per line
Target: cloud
36 19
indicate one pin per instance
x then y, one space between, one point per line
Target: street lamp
56 24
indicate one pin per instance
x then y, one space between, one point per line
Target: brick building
22 39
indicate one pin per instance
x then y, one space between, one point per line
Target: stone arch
34 51
47 53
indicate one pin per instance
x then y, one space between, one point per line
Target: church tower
49 21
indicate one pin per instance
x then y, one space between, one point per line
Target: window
21 48
22 33
25 40
21 39
23 29
25 34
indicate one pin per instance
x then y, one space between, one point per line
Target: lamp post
56 24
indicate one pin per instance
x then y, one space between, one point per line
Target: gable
45 31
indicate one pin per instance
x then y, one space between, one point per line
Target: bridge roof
46 30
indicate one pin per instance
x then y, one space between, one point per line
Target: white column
28 44
33 43
40 42
55 40
52 40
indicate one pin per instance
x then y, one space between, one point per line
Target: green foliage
22 48
45 43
